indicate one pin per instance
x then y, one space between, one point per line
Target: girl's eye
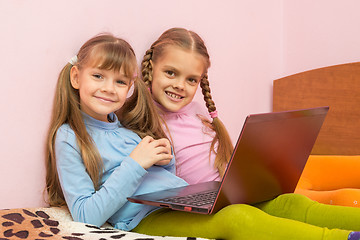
122 82
98 76
170 73
193 81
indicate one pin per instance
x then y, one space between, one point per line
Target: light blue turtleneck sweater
122 176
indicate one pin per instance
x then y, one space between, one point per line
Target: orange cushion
331 179
327 172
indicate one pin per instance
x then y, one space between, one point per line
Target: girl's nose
179 84
108 86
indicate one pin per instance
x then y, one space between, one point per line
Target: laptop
268 159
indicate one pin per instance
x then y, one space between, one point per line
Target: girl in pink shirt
173 68
178 62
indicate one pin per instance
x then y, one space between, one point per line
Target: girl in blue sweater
94 162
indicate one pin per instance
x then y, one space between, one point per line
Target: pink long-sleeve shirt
191 140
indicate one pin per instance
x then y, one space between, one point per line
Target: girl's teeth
173 95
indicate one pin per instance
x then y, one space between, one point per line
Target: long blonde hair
190 41
108 52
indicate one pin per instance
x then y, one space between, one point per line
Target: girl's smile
173 96
105 99
176 77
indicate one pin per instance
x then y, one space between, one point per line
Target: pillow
331 179
331 172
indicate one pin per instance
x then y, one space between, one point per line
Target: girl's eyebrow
195 76
96 69
123 77
169 67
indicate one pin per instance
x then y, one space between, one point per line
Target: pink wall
320 33
250 45
38 38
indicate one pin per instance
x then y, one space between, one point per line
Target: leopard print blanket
56 223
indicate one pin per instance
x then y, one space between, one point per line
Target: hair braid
224 147
146 67
204 84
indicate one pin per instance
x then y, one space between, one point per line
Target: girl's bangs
114 57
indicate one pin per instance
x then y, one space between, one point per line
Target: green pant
289 216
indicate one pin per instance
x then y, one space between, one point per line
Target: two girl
104 146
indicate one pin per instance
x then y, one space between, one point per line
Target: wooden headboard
337 87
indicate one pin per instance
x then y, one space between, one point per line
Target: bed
331 174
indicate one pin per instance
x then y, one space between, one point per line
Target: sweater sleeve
84 202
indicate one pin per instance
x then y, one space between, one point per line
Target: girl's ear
74 77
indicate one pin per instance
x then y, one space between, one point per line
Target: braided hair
146 67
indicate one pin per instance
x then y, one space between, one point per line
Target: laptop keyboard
198 199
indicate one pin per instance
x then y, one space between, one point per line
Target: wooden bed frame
337 87
331 174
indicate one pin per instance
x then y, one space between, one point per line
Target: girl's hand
150 151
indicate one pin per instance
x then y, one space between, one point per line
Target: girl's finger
164 156
148 139
160 150
162 142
